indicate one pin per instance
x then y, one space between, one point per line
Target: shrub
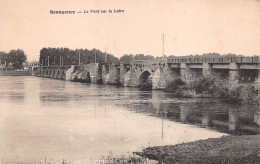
179 88
242 93
179 82
204 85
221 92
207 85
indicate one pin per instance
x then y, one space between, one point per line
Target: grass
121 159
229 149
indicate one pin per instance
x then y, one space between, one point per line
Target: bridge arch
144 78
88 78
85 77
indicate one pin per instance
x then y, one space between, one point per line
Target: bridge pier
220 74
257 114
206 119
124 68
171 73
185 111
44 72
105 73
189 74
158 79
47 72
233 120
69 72
185 72
257 86
206 70
110 74
94 70
233 75
55 74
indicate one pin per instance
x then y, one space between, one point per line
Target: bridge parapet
56 66
188 59
147 62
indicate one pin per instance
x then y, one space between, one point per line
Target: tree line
13 59
66 56
211 55
127 58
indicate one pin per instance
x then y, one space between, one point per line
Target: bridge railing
57 66
254 59
148 62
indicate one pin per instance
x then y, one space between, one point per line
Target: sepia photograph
129 82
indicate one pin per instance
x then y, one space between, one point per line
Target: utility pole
106 54
79 57
163 38
95 56
60 59
162 125
48 61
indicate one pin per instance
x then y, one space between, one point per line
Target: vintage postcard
128 81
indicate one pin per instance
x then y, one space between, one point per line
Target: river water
46 119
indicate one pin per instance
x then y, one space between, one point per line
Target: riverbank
229 149
14 73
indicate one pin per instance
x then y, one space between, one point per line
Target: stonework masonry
185 72
160 73
233 75
110 74
206 70
124 68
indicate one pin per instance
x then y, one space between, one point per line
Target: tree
17 57
143 57
148 57
139 57
126 59
3 58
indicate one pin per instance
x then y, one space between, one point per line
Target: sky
191 26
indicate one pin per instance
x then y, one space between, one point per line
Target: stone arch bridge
230 71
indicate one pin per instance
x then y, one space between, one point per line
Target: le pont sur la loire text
105 11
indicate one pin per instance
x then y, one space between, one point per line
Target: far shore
14 73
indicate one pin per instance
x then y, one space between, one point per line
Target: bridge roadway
230 71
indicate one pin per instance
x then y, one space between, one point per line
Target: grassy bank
230 149
209 87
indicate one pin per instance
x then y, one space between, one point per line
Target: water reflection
208 113
13 92
16 96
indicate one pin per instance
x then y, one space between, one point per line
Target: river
46 119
